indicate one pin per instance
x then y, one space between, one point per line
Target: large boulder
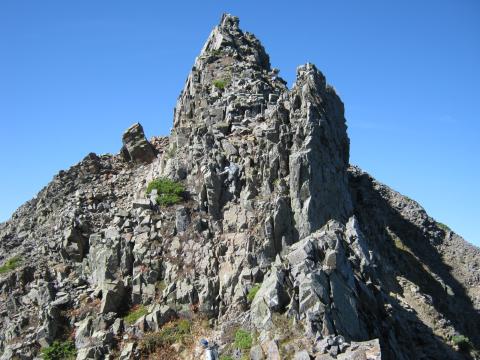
75 244
113 297
136 147
271 297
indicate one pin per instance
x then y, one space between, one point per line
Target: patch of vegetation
184 326
161 285
134 314
10 264
252 292
243 339
169 192
400 245
461 341
216 52
60 351
226 357
443 226
221 83
175 332
286 331
235 339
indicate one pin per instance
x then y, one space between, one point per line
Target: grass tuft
220 83
10 264
226 357
243 339
252 292
134 314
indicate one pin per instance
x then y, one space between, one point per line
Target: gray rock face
75 244
323 282
127 352
159 316
301 355
319 155
272 296
278 236
256 353
182 219
135 146
113 297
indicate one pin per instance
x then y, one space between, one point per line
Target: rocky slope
278 249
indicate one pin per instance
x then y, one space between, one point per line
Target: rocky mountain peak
230 60
247 217
228 39
229 21
232 92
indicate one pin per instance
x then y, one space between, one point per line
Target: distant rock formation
265 240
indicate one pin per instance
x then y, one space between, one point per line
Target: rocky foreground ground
247 227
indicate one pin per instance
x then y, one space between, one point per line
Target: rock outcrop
135 146
268 242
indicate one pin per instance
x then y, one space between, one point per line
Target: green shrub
168 199
220 83
135 314
10 264
252 292
461 341
243 339
169 192
60 351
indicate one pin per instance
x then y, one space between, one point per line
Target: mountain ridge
270 202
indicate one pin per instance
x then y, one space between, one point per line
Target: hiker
211 350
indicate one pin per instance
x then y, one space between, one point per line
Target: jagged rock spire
298 136
229 57
320 152
227 36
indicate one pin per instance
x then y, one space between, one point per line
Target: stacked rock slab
277 235
135 146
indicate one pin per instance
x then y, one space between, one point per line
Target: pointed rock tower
237 120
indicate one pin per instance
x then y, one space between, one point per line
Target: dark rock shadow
417 262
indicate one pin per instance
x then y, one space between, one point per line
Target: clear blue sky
75 74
